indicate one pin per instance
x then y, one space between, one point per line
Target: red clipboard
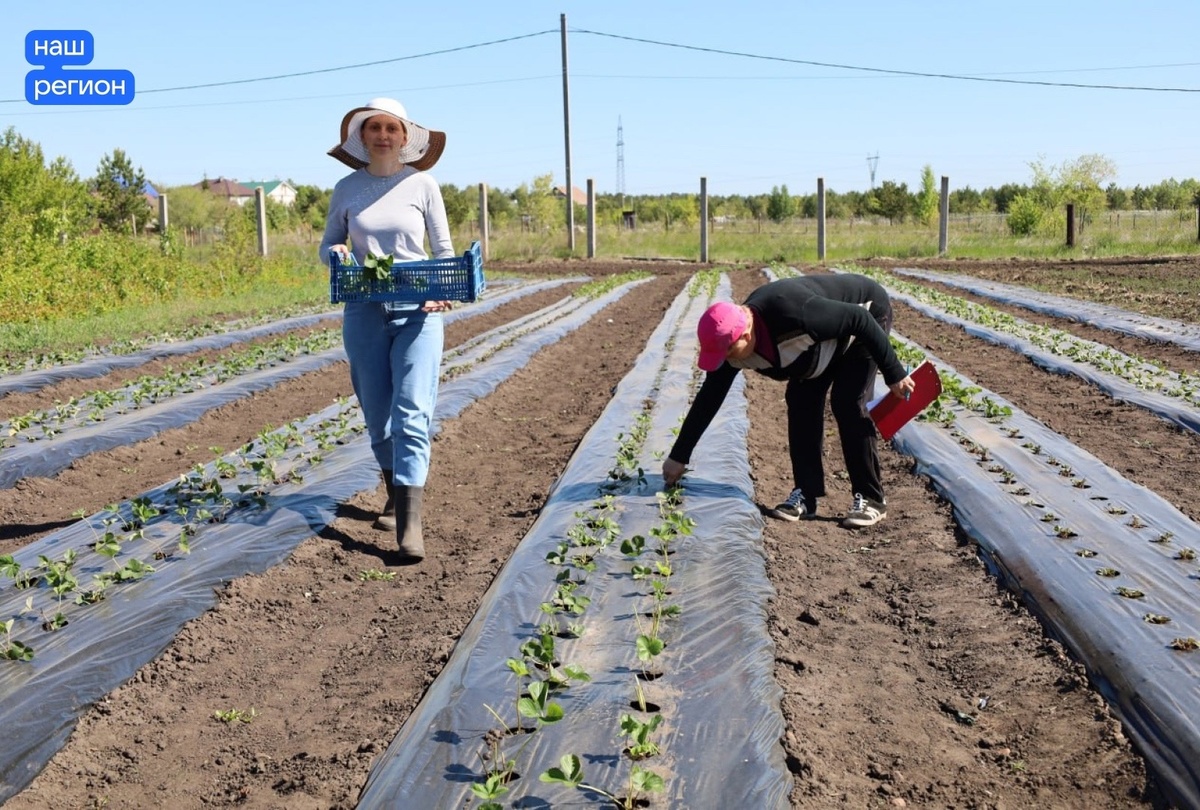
890 412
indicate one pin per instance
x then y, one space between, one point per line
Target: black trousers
848 382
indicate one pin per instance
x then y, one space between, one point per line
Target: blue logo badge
58 83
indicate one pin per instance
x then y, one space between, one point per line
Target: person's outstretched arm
699 416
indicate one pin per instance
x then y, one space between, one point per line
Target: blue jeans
395 354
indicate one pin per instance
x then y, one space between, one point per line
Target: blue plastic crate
459 278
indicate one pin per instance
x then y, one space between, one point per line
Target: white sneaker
864 512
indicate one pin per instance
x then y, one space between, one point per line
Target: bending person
826 336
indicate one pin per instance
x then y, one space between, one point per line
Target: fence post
1070 225
704 219
162 213
591 218
483 221
260 208
944 216
820 219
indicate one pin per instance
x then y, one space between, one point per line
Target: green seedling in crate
377 268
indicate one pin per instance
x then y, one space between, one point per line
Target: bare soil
882 635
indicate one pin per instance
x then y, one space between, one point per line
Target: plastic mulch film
721 723
100 364
1183 408
49 456
105 643
475 350
1103 561
1101 316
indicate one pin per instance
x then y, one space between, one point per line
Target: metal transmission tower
872 162
620 162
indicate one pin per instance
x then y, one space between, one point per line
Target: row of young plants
150 529
184 335
1108 565
51 369
31 459
478 350
99 405
1182 389
1108 318
1055 474
1086 547
575 559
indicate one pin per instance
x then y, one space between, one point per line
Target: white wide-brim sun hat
421 151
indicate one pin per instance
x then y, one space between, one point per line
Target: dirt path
882 635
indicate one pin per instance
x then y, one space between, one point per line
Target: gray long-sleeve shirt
388 216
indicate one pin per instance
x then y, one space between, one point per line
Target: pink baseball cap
719 328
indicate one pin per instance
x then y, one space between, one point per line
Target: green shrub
1024 216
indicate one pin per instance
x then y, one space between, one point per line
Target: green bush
1024 216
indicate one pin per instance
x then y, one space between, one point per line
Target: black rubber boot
387 518
408 523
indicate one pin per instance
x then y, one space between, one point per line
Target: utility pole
567 136
872 162
620 163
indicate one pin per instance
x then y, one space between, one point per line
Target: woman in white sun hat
388 206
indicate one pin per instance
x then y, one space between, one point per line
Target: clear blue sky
747 124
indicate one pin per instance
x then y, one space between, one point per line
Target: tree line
42 199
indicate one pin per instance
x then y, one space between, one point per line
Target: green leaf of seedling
528 708
9 567
491 788
18 651
648 647
107 545
576 673
645 781
569 772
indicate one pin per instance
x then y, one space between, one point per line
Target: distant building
280 191
231 190
578 195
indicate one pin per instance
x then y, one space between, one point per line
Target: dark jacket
809 322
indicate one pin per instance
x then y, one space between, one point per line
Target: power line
350 67
330 69
763 57
890 71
